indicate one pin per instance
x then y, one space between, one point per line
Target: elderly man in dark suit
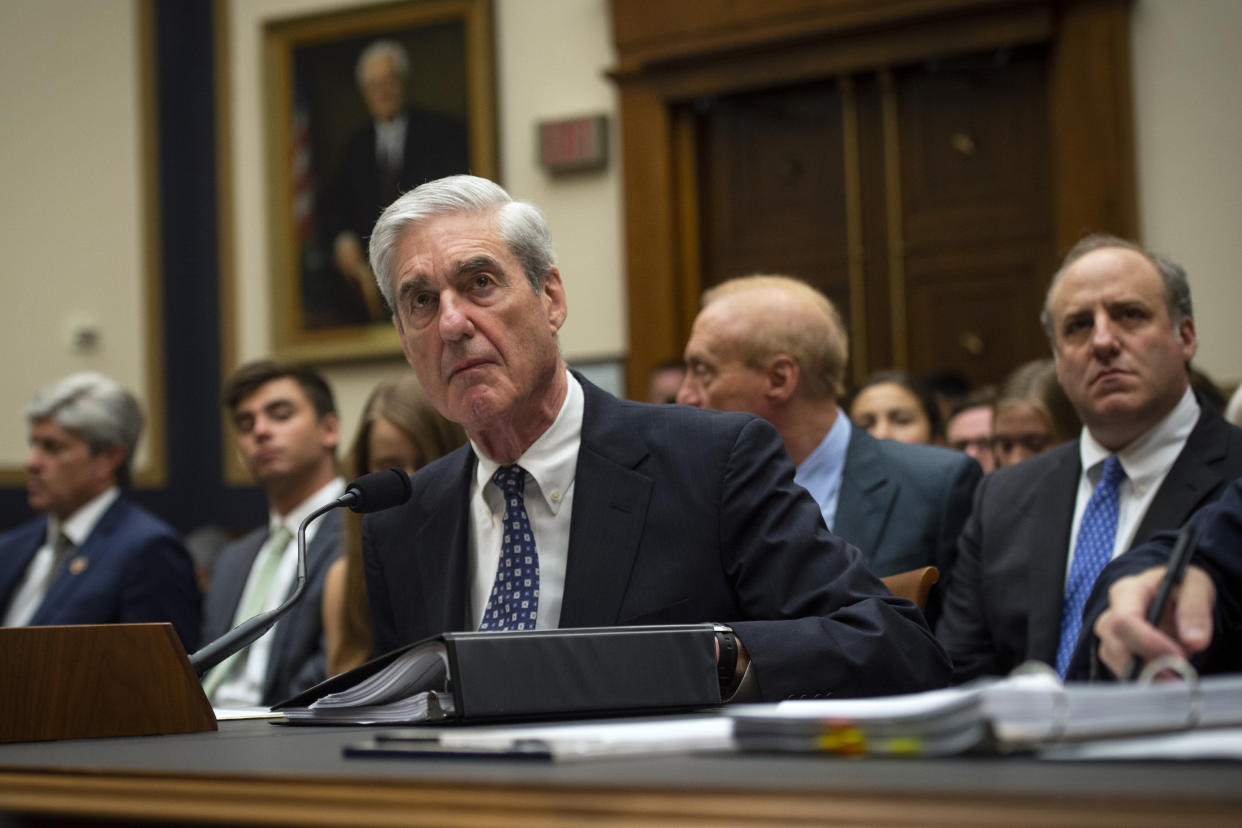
287 432
571 508
776 347
1120 322
94 557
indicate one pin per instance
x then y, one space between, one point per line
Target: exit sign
574 144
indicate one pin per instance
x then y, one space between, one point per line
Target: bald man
776 347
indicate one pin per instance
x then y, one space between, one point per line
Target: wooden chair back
914 584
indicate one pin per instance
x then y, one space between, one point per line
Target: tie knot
510 479
1113 472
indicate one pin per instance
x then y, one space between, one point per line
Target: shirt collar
828 458
333 489
552 460
1146 459
78 527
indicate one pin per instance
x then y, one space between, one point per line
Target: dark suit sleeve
1218 552
963 629
843 632
161 587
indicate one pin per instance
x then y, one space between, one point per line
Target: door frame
666 60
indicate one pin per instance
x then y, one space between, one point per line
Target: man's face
716 376
62 473
281 437
970 431
381 88
481 341
1118 357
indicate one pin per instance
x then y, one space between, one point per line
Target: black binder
538 674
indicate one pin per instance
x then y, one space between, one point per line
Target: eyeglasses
1005 443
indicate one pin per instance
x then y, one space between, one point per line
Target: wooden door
918 199
928 161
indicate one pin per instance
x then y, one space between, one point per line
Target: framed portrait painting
363 105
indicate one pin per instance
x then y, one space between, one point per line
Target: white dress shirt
551 463
1146 462
77 528
244 685
390 142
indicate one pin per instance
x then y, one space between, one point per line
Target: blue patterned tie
514 601
1093 549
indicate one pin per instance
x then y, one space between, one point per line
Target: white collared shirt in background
244 685
30 594
552 462
1146 462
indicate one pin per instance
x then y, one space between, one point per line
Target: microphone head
378 490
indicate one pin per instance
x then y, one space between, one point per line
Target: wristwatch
726 662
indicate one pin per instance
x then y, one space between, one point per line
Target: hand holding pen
1163 611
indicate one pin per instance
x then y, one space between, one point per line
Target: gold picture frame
319 134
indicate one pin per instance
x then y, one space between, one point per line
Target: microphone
370 493
377 491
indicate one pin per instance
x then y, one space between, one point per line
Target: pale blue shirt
820 473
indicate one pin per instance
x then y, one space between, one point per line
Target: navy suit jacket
136 570
679 516
297 659
905 505
1004 604
1218 550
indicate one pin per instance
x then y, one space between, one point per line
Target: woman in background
893 405
1031 414
399 429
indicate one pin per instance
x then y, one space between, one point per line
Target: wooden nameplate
97 680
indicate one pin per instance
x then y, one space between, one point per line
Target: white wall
71 225
1188 123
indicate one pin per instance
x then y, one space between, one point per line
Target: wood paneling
1052 171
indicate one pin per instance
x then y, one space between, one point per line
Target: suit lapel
82 563
437 555
16 555
609 512
866 497
320 552
1191 480
1048 513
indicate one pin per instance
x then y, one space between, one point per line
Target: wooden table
254 772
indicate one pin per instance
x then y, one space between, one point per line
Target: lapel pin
77 565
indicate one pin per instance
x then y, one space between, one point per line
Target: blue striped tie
514 602
1094 548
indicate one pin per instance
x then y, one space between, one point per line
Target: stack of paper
935 723
1017 713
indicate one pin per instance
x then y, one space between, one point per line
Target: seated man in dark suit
287 432
1120 322
625 513
94 557
776 347
1204 619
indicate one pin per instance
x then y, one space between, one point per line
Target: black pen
1178 561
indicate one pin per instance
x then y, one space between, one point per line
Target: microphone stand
247 632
